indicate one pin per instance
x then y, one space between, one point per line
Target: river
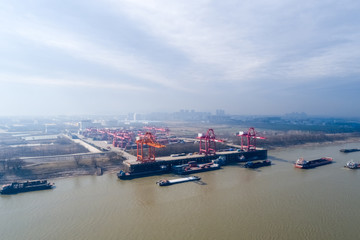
276 202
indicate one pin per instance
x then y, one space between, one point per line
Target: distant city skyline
131 56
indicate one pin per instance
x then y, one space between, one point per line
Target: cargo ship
352 165
192 167
165 182
17 187
301 163
251 164
130 175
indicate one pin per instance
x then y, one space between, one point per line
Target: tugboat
251 164
27 186
352 165
301 163
165 182
193 167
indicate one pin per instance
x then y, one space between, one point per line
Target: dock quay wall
231 157
61 158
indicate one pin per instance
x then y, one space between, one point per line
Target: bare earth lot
52 158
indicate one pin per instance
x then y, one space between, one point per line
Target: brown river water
276 202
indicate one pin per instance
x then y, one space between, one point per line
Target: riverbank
318 144
63 169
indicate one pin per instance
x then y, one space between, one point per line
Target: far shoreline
320 144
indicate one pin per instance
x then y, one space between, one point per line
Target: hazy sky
120 56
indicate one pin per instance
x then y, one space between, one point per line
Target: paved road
105 145
83 143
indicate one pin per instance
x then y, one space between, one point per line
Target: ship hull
314 163
349 150
26 189
128 176
257 164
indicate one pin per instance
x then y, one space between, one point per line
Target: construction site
148 140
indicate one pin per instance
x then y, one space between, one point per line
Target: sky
118 56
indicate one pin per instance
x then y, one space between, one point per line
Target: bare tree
113 156
77 159
94 161
18 163
3 163
15 164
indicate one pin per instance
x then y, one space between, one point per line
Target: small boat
251 164
352 165
304 164
27 186
165 182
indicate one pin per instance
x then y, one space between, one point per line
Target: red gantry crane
250 138
207 142
89 132
125 138
122 138
147 139
155 130
162 135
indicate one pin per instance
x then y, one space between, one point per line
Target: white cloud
336 61
190 28
68 82
77 47
185 51
254 39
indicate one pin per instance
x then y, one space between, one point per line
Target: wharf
230 157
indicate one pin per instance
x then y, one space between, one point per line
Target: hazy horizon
114 57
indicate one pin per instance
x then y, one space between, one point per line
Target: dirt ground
50 170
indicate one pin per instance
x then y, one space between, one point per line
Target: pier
230 157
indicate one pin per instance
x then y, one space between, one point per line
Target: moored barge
193 167
304 164
123 175
251 164
17 187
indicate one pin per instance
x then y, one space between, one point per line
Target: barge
251 164
130 175
352 165
165 182
349 150
17 187
193 167
304 164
